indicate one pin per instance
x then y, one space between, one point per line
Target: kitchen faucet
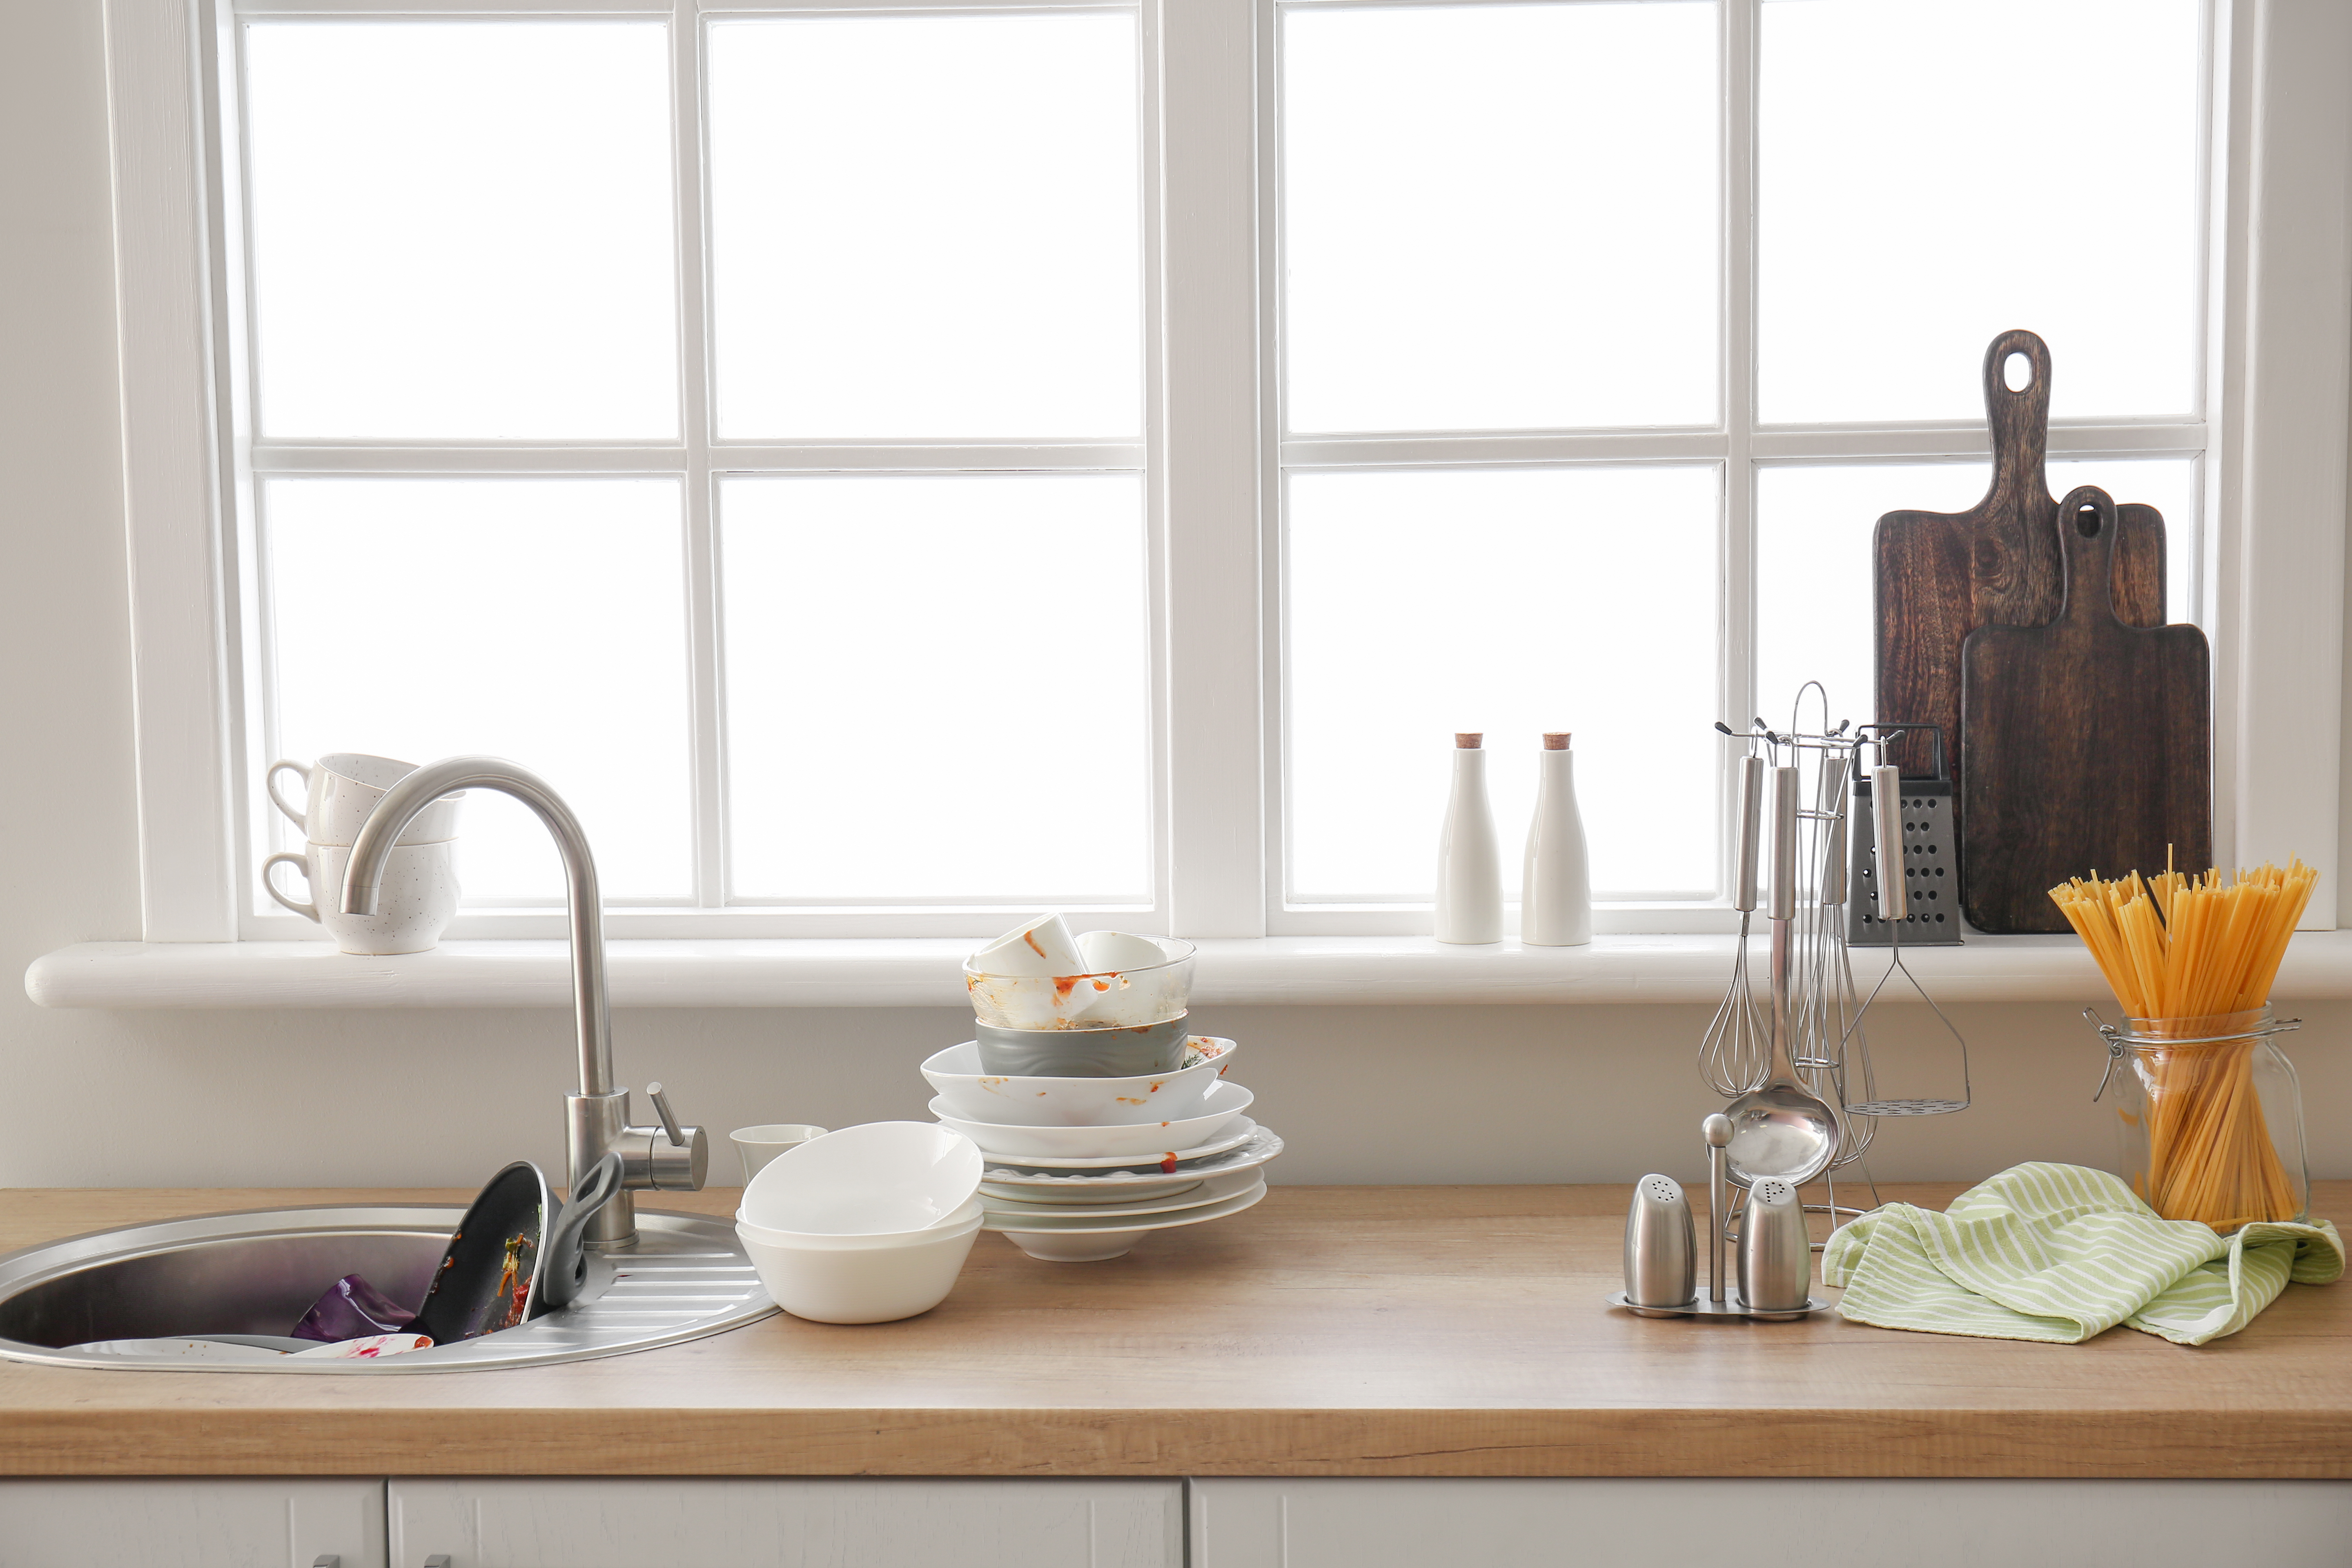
667 1157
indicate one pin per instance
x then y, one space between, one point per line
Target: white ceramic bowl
861 1285
1138 992
873 1180
1219 1107
956 1078
969 1214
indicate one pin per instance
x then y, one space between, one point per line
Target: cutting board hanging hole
2017 372
2087 521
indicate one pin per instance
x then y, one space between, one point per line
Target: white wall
442 1098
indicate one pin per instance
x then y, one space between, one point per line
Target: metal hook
2114 1037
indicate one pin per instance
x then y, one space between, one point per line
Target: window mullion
1738 619
707 728
1208 488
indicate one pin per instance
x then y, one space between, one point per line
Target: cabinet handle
327 1560
439 1560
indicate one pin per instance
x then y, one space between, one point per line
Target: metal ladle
1782 1130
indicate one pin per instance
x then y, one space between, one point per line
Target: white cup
414 903
344 789
1038 949
757 1145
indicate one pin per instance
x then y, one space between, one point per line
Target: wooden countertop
1332 1330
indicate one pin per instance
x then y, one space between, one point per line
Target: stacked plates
1082 1191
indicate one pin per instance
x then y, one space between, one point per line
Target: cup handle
269 783
269 883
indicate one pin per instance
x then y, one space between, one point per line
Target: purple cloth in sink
351 1309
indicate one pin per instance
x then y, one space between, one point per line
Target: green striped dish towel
2062 1253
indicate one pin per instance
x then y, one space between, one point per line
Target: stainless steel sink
257 1273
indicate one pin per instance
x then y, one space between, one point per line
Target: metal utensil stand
1829 1046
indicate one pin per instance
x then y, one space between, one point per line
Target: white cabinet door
848 1523
1608 1523
182 1523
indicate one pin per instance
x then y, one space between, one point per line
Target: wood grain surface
2086 744
1940 576
1330 1331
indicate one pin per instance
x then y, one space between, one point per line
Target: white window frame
2271 579
1736 444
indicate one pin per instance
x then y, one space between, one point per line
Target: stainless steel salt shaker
1661 1249
1776 1256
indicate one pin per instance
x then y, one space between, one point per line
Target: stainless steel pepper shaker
1661 1247
1776 1256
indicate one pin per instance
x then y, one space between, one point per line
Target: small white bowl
969 1214
860 1285
1220 1107
882 1177
972 1095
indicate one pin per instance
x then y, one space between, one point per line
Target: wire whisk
1736 1055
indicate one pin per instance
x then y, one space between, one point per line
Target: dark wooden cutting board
2084 745
1940 576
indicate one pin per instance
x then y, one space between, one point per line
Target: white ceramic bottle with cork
1556 887
1469 865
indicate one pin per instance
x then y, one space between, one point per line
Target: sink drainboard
258 1272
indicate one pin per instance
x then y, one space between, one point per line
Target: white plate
1260 1146
1103 1225
1135 1193
1235 1134
1131 1143
1215 1190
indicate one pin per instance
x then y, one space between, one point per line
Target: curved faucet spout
428 784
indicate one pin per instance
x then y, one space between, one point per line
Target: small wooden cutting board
2086 744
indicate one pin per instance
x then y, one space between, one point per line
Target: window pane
926 226
1933 172
937 689
462 229
1499 216
541 620
1814 559
1513 601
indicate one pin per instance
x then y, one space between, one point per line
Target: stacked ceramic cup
1102 1117
418 896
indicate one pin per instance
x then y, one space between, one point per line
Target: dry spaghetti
2183 953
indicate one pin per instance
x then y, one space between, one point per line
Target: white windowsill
924 972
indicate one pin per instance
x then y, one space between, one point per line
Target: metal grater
1930 859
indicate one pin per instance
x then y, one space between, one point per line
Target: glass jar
2212 1117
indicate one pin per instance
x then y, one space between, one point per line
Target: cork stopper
1555 741
1469 743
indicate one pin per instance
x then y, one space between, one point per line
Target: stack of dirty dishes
867 1225
1101 1115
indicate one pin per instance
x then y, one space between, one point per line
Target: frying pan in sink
516 1254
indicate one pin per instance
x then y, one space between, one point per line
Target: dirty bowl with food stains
1015 1101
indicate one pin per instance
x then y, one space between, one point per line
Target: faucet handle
674 1157
668 1121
